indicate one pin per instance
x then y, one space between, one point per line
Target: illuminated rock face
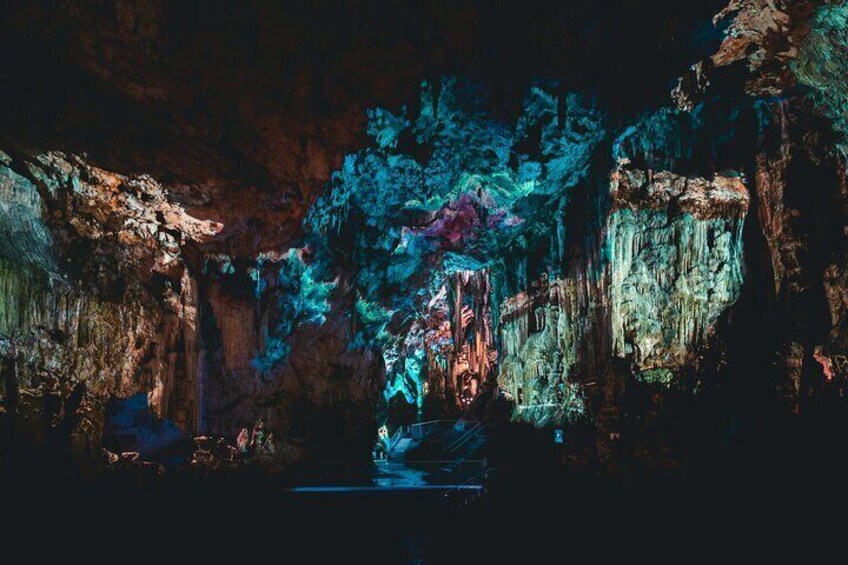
675 261
643 268
24 239
107 289
543 333
673 252
467 242
118 333
765 36
473 357
79 320
436 219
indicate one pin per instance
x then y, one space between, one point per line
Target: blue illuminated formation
300 298
822 64
452 189
451 233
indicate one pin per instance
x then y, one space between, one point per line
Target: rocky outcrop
674 265
107 292
96 298
765 36
547 348
675 261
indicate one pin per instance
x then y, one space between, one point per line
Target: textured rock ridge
675 261
674 252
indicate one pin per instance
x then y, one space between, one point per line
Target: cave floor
447 476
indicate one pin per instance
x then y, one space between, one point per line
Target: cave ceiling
244 113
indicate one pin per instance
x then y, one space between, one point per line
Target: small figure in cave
632 339
258 435
243 441
224 451
381 449
269 448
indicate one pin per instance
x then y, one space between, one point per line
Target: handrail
396 437
475 429
464 483
407 431
420 430
429 422
466 433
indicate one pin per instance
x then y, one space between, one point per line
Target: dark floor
522 517
780 498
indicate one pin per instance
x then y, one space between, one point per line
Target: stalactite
672 273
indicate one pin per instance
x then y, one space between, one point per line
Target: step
402 445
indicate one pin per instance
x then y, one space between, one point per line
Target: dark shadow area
528 512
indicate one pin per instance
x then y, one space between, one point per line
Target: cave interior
490 253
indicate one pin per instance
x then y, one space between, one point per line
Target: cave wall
680 280
81 322
260 265
675 264
107 293
674 256
543 332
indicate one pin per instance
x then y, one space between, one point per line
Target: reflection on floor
439 455
421 475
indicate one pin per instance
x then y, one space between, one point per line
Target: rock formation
335 234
